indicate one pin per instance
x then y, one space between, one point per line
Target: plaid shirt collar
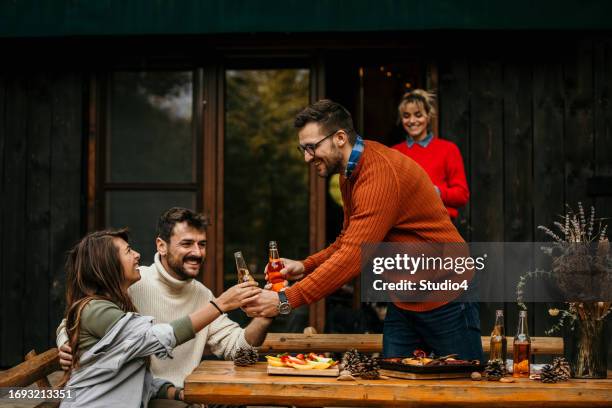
354 157
423 143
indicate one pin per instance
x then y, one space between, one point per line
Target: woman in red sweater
441 159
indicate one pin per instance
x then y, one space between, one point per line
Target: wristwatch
284 307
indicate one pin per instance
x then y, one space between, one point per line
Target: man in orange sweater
387 198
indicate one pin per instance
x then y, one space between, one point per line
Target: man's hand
264 305
65 356
238 295
292 271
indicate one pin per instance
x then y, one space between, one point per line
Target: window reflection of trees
151 137
150 140
266 179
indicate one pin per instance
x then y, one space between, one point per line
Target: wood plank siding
40 175
534 126
533 121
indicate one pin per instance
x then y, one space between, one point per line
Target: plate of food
422 363
302 364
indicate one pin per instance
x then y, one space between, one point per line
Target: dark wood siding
40 175
455 120
548 163
532 118
602 68
534 125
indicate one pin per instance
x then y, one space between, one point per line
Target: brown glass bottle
521 348
244 275
498 343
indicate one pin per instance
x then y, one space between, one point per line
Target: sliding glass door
265 179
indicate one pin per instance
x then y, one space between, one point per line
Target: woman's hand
238 296
233 298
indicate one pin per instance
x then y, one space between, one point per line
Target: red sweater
381 204
442 160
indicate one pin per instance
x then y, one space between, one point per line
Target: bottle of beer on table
522 348
498 338
244 275
275 265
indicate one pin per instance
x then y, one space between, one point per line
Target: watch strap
282 297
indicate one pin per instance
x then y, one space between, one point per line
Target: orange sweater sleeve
374 212
314 260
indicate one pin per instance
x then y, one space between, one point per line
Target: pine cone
561 368
351 360
245 357
548 374
368 369
494 370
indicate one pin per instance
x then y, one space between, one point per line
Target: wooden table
220 382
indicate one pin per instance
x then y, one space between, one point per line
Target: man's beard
333 167
176 264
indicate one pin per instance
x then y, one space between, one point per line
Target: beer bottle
498 338
275 265
522 348
243 271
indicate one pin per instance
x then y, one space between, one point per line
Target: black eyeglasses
311 147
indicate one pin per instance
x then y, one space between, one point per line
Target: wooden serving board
328 372
420 376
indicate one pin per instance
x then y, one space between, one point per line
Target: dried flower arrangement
582 269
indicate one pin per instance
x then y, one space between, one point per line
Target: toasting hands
238 296
264 305
293 270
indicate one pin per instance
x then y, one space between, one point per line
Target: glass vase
588 349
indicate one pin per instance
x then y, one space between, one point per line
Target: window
220 141
150 152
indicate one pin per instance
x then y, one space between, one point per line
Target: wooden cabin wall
534 124
41 157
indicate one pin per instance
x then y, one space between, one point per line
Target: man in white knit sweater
167 290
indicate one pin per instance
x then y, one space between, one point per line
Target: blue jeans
450 329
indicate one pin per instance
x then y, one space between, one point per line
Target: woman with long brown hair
110 341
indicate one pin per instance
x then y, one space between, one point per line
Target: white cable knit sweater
165 298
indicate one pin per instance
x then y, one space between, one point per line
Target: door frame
213 133
209 115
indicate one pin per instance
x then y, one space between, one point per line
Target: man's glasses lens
311 147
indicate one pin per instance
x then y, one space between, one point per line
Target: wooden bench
372 343
34 369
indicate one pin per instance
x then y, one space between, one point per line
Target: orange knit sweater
388 198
